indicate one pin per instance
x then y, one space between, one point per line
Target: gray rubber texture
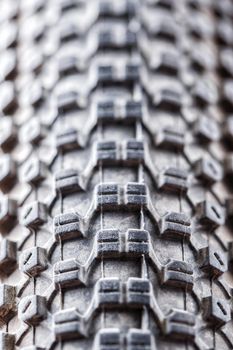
116 168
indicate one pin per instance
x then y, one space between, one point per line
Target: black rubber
116 168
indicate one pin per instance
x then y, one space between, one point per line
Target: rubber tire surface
116 168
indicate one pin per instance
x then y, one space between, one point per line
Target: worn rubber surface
116 167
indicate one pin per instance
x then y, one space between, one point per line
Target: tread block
67 181
199 27
68 325
168 100
68 101
7 341
108 9
109 339
68 32
67 65
108 195
105 73
8 65
229 208
202 60
107 152
67 5
67 140
166 63
67 226
194 4
34 171
134 152
206 129
216 311
170 139
8 212
138 291
165 30
67 330
222 8
224 33
178 274
108 242
226 62
109 291
165 4
38 33
208 170
7 172
180 324
8 100
138 339
228 130
230 248
175 226
7 303
108 39
210 214
133 110
32 309
227 95
35 95
173 180
132 72
10 32
212 261
8 134
228 166
8 256
106 110
136 195
205 93
67 274
33 131
113 339
137 242
130 39
33 261
71 4
34 214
